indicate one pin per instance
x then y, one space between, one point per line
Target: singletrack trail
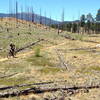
32 52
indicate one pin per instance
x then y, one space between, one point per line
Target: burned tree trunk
38 90
28 46
16 14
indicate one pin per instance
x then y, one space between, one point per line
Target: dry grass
83 65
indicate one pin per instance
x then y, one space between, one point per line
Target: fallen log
72 38
43 90
90 41
50 42
28 46
94 36
6 76
68 37
24 85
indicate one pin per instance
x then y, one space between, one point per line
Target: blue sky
73 8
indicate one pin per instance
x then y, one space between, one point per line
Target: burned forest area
45 59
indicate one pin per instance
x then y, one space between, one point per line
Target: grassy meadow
40 63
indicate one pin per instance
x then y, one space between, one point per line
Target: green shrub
37 52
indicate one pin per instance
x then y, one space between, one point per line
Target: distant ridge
27 17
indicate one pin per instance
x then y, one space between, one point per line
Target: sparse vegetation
38 60
50 70
39 66
37 52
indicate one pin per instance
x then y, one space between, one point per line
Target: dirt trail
31 52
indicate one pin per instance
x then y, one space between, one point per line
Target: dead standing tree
10 9
45 20
30 19
22 13
58 28
33 16
63 14
50 23
16 14
40 20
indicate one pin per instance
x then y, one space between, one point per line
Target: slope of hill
61 62
26 16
